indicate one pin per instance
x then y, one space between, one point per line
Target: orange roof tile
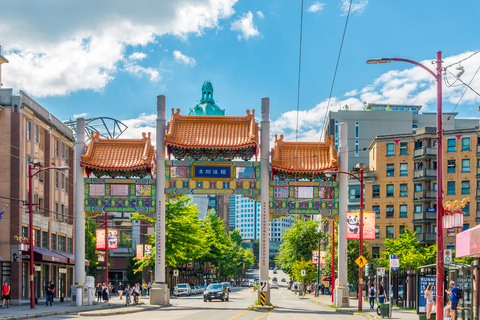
304 156
212 131
119 153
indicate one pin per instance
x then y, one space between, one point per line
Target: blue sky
112 59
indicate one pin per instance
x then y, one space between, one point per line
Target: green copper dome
207 106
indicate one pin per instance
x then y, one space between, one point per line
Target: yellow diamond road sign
361 261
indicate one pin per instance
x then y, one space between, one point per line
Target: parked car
274 285
284 280
197 290
229 287
216 291
275 271
182 289
274 279
251 283
245 283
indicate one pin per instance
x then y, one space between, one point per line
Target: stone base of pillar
159 295
73 300
342 297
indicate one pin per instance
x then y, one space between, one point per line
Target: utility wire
336 68
463 59
299 73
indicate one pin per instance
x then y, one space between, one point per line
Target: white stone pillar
264 196
342 288
79 205
159 294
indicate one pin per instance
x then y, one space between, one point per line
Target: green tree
310 271
132 276
410 253
91 246
298 243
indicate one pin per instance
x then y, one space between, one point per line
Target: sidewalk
397 313
59 308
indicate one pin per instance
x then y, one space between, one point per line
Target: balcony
424 216
425 174
425 195
478 172
425 152
426 237
478 216
478 193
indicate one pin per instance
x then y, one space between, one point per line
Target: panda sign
353 225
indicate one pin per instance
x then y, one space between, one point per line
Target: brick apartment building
30 134
401 184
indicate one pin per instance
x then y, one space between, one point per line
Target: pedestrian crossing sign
361 261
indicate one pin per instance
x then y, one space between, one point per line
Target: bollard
79 296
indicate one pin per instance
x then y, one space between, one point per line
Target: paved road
288 306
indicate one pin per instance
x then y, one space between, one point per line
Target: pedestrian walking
381 294
105 293
120 289
371 296
49 294
6 294
429 300
149 286
99 290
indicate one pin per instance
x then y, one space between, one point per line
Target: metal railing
423 173
425 151
426 237
425 194
424 215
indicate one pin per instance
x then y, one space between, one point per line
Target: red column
360 270
106 249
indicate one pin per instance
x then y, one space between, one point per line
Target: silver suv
182 289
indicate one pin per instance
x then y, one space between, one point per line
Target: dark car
216 291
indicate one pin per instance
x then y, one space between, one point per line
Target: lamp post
360 251
31 174
440 244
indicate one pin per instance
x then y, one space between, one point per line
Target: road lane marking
263 315
238 315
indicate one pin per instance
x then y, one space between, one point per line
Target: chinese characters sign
214 171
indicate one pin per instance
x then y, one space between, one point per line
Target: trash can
384 310
422 316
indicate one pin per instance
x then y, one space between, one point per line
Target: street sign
380 271
137 270
175 273
25 256
263 286
361 261
394 262
304 273
447 256
367 269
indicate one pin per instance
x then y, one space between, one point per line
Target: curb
58 313
124 310
366 315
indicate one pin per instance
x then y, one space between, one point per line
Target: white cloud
88 51
316 7
81 115
180 57
137 56
260 14
357 6
411 86
139 71
245 26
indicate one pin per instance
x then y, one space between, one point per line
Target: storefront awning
468 243
70 257
41 254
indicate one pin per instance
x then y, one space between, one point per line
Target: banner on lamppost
353 225
394 262
323 255
315 257
140 253
112 238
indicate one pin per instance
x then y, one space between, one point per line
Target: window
56 179
401 230
451 166
404 169
389 211
354 193
56 148
418 208
418 187
403 190
53 241
62 179
466 209
390 192
29 134
375 252
403 147
465 226
403 211
356 148
37 134
465 187
451 145
376 209
377 232
465 144
357 127
389 232
66 184
66 153
390 170
61 243
390 149
418 229
451 187
45 239
376 191
36 238
465 165
63 150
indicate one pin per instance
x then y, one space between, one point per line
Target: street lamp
360 273
440 247
31 174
